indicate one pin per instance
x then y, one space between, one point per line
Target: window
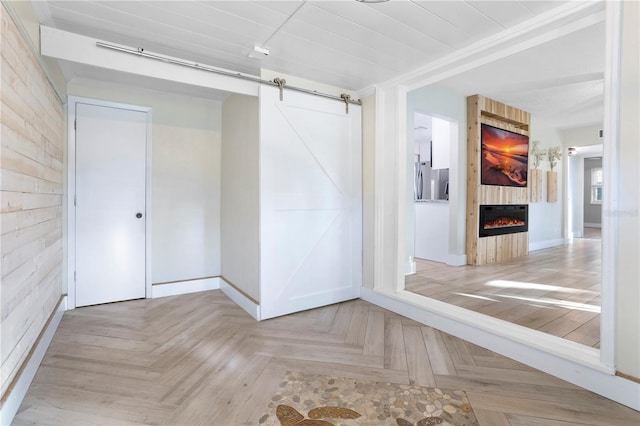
596 185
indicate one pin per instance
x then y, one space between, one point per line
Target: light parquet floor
555 290
200 359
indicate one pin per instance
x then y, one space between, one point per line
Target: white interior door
310 202
110 204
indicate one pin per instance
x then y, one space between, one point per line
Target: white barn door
311 202
110 209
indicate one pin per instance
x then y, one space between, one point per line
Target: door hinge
75 124
75 200
74 276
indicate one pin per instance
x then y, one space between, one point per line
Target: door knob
138 215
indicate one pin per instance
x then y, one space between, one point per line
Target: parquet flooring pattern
554 290
200 359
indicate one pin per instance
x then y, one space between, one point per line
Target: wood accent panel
552 186
535 185
31 210
504 113
475 254
480 251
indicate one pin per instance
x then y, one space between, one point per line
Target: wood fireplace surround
497 246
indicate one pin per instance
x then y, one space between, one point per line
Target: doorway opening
108 224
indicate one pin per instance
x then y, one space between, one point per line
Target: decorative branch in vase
536 153
553 155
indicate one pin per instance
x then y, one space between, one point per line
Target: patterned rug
312 400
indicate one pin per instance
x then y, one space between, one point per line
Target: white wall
185 210
581 136
628 213
439 102
240 207
546 219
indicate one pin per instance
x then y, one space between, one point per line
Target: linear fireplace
503 219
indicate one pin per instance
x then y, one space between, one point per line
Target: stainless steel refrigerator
430 184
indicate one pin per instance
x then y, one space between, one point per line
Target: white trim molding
12 402
610 169
250 306
175 288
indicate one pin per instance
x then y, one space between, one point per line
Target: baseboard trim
539 245
592 225
575 363
175 288
18 389
628 377
241 299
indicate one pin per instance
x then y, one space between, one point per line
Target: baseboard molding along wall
570 361
183 287
250 306
539 245
21 385
451 260
593 225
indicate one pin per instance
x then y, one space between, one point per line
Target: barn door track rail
280 83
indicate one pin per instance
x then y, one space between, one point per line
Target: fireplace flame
503 222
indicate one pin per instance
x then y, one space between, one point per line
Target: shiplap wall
31 162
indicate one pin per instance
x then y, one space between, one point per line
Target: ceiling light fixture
262 50
259 52
372 1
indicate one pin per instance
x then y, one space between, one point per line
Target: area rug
313 400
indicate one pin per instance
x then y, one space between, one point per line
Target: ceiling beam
73 47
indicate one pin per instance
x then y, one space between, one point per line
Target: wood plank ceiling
351 45
343 43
